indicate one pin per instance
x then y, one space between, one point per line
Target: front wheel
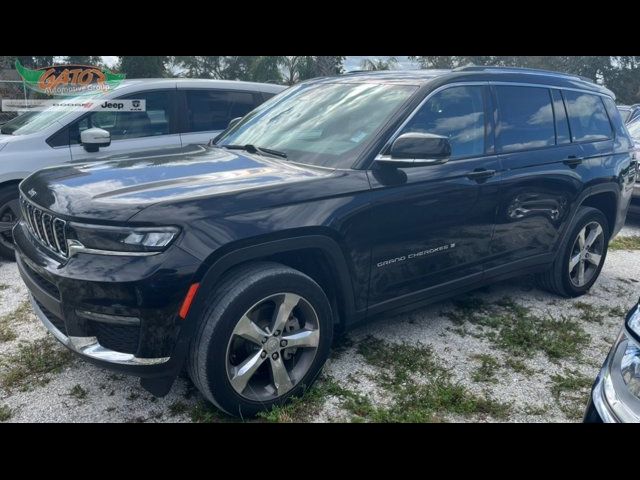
9 215
581 256
263 338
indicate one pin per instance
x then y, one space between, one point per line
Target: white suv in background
178 112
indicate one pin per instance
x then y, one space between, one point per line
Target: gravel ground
79 392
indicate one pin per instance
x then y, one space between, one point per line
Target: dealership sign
68 80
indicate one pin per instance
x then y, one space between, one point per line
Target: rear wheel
263 338
581 256
9 215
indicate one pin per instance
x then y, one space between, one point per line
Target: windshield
32 122
326 124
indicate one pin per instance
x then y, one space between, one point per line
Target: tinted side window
213 110
457 113
588 117
525 118
563 135
155 120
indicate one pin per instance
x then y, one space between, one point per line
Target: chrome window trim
396 133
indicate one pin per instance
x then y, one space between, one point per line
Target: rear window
526 118
587 116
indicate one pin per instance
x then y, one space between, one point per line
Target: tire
217 351
562 277
9 215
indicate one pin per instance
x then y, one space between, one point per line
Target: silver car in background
178 112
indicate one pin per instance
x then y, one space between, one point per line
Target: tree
197 66
143 66
83 60
33 62
620 74
379 64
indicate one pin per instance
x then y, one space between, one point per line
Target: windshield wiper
254 149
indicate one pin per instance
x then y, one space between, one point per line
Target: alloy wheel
272 347
586 254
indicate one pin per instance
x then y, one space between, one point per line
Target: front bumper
611 401
117 312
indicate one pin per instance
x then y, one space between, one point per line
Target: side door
130 131
207 112
431 226
542 177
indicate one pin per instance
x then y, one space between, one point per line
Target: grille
57 321
121 338
49 230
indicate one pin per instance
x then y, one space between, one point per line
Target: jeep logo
113 105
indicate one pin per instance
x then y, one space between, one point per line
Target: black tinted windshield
325 124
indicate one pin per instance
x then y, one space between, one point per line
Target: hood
118 187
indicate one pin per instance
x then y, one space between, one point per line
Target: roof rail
488 68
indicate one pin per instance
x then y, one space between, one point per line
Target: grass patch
20 314
571 391
205 413
412 401
178 408
300 408
516 330
7 334
33 363
524 335
78 392
625 243
590 312
486 372
617 312
518 366
534 410
5 413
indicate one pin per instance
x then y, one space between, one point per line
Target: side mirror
94 138
417 150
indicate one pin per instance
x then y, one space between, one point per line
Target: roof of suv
475 73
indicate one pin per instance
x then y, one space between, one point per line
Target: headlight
630 368
633 324
100 239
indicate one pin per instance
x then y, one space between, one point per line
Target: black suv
333 202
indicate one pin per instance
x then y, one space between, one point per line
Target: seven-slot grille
45 227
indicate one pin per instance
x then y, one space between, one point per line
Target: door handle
573 161
480 174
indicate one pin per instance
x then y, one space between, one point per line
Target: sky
351 63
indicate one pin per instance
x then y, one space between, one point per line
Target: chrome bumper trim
89 346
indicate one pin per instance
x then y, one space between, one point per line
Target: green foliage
621 74
625 243
94 61
138 66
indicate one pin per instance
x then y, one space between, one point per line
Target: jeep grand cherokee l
333 202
